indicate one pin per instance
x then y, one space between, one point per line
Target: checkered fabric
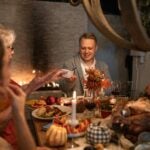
97 134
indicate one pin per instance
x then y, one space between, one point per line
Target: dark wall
108 6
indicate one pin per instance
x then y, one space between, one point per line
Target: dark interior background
47 34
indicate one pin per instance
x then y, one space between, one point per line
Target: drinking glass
90 103
116 88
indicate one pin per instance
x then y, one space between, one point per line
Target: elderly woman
9 132
8 36
12 100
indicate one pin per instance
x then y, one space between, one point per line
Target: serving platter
66 111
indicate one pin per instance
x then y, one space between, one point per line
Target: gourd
56 136
97 134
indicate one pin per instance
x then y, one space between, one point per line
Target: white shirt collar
85 66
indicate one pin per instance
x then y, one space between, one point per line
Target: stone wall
47 35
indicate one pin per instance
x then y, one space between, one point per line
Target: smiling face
87 49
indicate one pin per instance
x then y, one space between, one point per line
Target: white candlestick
74 102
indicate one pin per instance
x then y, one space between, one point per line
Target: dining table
81 141
40 132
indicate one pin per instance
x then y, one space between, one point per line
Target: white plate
62 108
68 73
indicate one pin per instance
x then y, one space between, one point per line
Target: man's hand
72 78
56 75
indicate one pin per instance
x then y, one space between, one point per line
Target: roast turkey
132 118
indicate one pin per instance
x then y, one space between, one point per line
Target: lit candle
74 102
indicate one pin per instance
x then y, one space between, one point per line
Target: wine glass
116 88
90 105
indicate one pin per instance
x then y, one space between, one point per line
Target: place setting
67 85
91 121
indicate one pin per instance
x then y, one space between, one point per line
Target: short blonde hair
88 36
7 35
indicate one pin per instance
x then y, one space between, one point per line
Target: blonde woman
10 130
12 100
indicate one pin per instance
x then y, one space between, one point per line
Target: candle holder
71 143
73 121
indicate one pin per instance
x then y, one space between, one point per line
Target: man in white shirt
84 60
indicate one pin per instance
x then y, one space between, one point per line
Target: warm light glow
33 71
23 77
48 85
20 83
